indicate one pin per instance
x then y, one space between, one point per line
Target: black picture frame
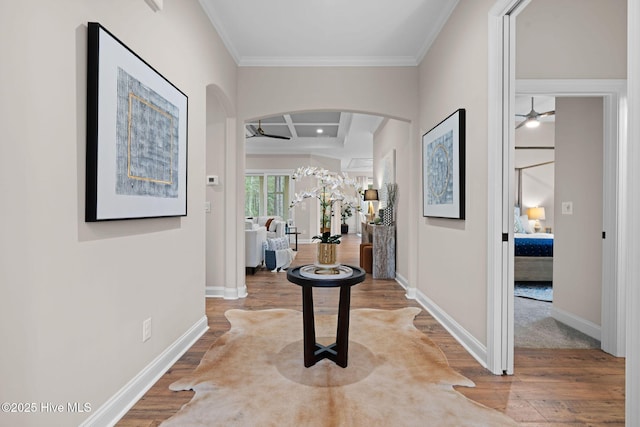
443 168
136 135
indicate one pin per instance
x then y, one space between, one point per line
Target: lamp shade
536 213
370 195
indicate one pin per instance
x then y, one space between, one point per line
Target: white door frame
613 92
502 88
633 205
501 100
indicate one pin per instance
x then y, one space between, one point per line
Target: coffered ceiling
340 135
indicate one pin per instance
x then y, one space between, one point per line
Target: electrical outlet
146 330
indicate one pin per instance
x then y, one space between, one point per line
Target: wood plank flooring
550 387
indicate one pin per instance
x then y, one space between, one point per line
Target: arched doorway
221 242
392 136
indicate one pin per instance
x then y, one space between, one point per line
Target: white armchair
276 226
255 238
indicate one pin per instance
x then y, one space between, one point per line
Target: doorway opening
558 260
502 89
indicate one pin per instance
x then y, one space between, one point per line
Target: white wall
395 135
448 81
577 263
75 294
633 249
452 254
383 91
216 251
572 39
388 91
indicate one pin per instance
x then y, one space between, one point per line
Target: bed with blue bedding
533 257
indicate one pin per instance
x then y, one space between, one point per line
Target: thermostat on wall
212 180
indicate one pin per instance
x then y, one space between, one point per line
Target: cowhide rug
254 375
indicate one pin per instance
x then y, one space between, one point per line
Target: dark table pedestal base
337 352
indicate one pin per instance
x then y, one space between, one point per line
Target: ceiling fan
260 132
532 118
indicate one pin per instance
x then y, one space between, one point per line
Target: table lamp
371 196
536 214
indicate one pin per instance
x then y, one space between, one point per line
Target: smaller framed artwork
136 135
443 167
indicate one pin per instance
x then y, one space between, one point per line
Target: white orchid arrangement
328 191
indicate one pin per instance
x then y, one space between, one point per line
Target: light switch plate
567 208
146 330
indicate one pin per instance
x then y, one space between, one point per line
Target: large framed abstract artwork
136 135
443 167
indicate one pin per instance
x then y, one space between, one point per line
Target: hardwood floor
550 387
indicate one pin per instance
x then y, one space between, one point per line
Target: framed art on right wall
443 167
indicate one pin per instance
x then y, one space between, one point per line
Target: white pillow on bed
526 225
517 227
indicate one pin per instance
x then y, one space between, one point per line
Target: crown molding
328 61
435 30
217 25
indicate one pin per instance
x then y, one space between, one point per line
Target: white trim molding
117 406
577 323
435 30
474 347
226 292
501 73
615 220
215 21
214 292
632 192
402 281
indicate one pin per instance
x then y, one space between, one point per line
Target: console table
314 352
292 230
383 238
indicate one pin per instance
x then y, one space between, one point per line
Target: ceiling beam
292 128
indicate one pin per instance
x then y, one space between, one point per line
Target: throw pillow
274 226
526 225
278 243
268 223
518 228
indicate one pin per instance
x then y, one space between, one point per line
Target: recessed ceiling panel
308 131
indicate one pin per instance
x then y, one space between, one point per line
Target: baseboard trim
118 405
585 326
402 281
225 293
474 347
214 292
